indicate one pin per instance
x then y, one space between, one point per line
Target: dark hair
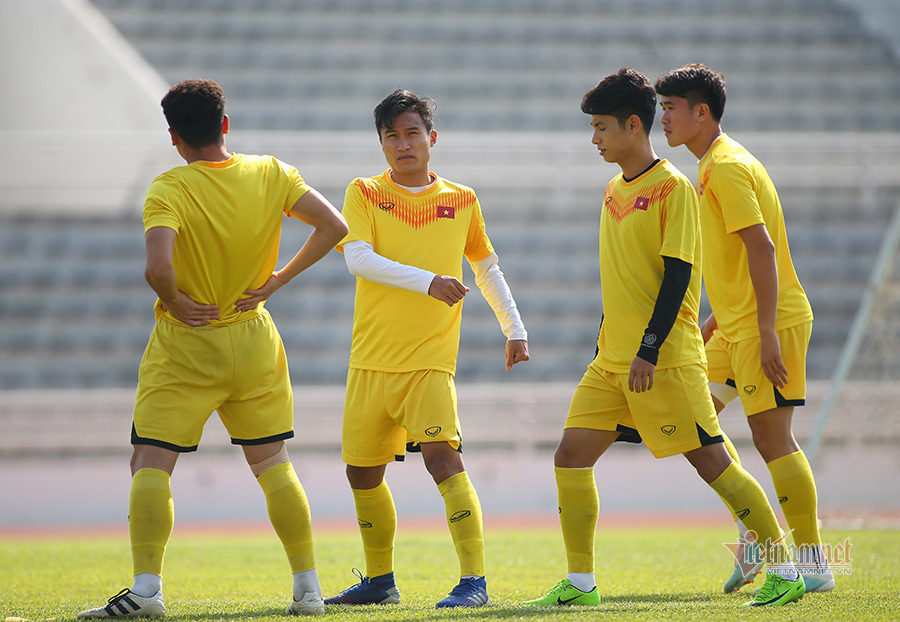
195 109
401 101
622 94
698 84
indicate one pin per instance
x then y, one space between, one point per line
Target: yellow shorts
239 370
383 411
675 416
737 364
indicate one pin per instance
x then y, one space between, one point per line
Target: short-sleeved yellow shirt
642 221
228 219
394 329
735 193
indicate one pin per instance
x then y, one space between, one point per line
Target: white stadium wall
81 129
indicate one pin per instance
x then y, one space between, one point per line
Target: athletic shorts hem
137 440
375 462
264 440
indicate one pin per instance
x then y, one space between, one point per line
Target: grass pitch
644 573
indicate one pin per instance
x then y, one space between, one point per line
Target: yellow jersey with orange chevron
642 221
735 193
394 329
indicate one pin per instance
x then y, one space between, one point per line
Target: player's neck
211 153
701 143
637 162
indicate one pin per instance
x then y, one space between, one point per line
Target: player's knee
258 468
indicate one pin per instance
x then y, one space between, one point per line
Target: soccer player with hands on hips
409 233
648 380
758 334
212 230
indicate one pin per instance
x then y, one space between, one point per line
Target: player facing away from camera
409 233
758 333
648 381
212 230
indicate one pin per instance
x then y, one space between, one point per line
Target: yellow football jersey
228 219
394 329
735 193
642 221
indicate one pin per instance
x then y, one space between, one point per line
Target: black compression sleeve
676 278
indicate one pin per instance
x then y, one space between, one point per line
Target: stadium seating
302 77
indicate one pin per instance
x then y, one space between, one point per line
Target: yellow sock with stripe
465 522
747 498
151 515
377 517
796 490
289 514
579 509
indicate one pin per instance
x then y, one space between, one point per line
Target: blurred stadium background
813 91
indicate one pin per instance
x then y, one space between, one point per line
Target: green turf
644 574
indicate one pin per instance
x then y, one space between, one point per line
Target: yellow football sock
729 446
579 509
151 514
377 517
796 490
748 500
289 514
465 521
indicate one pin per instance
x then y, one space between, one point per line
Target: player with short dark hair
648 380
758 334
212 231
409 233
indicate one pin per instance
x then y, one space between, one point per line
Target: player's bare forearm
516 352
161 277
709 327
329 229
764 277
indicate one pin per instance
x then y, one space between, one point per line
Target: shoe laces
118 596
466 587
770 587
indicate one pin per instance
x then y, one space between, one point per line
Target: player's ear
702 111
633 123
433 137
226 123
176 139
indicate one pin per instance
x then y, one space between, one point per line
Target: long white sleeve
493 286
364 262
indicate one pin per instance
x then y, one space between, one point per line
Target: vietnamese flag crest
642 203
444 211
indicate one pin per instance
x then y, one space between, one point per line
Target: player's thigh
260 406
183 377
757 393
719 369
424 403
598 403
370 436
677 415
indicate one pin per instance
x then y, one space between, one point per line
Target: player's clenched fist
447 289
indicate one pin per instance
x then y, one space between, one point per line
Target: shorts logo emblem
433 431
386 206
458 516
668 430
749 389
